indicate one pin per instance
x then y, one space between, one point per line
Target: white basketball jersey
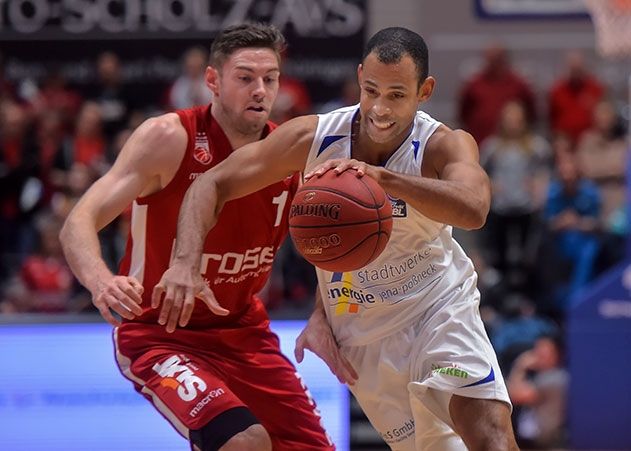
421 264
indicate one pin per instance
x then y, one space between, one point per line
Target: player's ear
426 89
212 80
360 69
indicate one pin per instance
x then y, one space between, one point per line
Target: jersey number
280 201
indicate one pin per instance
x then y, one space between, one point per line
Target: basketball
342 222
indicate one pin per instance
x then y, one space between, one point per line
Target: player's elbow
474 217
66 231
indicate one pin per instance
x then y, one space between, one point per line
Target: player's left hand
180 287
318 338
339 165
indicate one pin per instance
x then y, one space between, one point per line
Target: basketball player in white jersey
414 353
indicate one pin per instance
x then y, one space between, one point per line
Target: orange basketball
340 222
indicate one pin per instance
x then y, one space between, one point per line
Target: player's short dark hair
391 44
246 35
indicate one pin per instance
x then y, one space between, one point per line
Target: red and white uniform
217 362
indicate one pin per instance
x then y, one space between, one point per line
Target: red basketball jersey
238 251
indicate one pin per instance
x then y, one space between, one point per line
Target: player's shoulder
446 141
166 126
157 141
338 116
337 122
161 132
424 117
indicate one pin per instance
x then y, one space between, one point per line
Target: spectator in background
571 213
88 143
518 329
537 385
518 163
190 89
55 95
7 90
293 98
110 93
602 154
484 96
349 95
44 283
21 189
573 98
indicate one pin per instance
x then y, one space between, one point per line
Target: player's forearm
82 249
198 214
443 201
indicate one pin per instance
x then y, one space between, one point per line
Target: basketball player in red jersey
221 381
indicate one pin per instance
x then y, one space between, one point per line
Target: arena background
59 385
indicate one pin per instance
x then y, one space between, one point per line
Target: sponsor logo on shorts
451 370
212 394
178 374
399 433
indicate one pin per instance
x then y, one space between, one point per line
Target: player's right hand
180 287
121 294
318 338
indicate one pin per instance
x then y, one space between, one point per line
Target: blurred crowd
558 216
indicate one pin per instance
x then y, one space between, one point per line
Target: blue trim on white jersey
416 145
489 378
327 141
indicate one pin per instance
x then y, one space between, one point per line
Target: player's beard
250 127
245 126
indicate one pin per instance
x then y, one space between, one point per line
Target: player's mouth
381 125
256 109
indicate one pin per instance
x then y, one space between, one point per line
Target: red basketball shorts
191 376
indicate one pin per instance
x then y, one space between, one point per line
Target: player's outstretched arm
150 149
245 171
318 338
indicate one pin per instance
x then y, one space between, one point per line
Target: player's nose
258 93
381 110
